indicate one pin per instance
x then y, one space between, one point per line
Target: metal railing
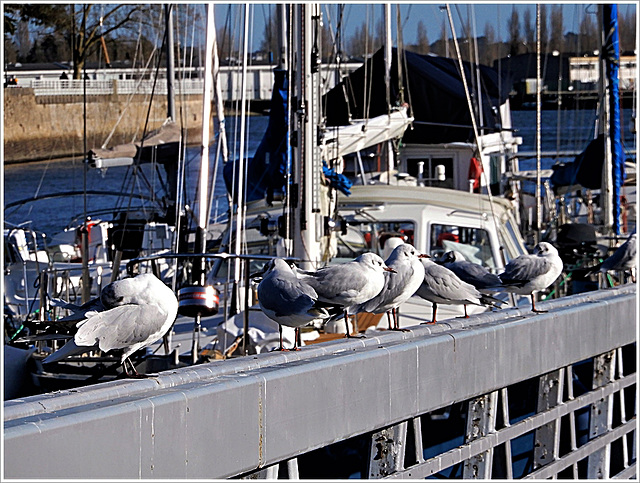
507 394
259 83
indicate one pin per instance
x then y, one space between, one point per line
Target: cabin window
430 170
473 243
371 236
495 175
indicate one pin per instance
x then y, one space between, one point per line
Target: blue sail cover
266 171
585 169
612 52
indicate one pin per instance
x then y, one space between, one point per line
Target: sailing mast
308 224
613 167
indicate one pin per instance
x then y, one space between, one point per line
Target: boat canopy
161 146
434 90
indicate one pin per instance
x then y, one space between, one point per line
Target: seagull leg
389 319
394 311
433 319
346 323
135 374
533 306
466 315
297 335
281 348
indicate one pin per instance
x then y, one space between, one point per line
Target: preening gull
400 285
135 313
349 284
527 274
289 301
442 286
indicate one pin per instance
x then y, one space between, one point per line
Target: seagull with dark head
349 284
528 274
399 285
288 300
442 286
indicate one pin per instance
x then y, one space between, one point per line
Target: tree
588 35
361 42
513 27
269 42
422 40
627 30
529 31
78 25
489 54
87 24
556 40
544 32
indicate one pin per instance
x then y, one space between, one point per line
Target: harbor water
24 181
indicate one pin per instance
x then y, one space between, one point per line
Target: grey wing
121 327
623 257
475 274
285 297
78 312
69 349
338 281
447 285
523 269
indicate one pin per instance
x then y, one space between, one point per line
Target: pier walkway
507 394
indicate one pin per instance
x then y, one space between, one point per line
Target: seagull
470 272
400 285
442 286
349 284
135 313
527 274
624 258
289 301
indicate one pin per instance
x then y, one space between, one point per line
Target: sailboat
310 212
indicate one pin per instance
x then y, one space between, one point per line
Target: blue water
50 216
28 180
577 128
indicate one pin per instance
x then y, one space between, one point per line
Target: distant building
586 71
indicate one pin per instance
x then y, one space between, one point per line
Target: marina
302 344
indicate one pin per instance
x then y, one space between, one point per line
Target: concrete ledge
225 418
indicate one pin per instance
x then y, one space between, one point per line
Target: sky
431 14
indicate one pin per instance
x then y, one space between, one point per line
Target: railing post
481 420
387 450
601 416
547 437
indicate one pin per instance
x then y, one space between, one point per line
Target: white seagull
135 313
442 286
527 274
349 284
399 285
289 301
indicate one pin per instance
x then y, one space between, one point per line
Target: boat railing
505 394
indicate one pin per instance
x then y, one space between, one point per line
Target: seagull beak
424 255
390 269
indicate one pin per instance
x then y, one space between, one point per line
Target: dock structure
506 394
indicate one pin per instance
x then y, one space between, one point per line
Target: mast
613 167
171 108
388 53
308 223
203 189
538 130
